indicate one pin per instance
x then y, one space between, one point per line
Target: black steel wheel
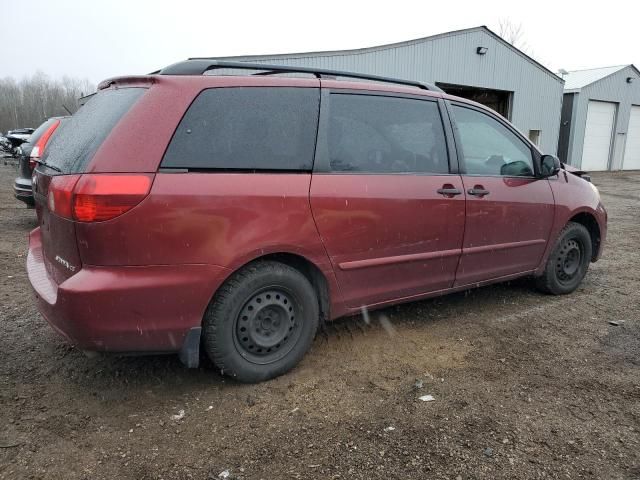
261 322
266 328
568 263
569 260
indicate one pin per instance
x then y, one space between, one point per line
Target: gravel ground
525 386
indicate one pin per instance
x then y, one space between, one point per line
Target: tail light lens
60 194
97 197
38 148
35 154
102 197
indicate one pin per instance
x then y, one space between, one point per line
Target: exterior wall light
630 79
481 50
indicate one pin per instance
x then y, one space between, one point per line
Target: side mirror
549 166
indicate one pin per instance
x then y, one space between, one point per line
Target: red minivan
187 208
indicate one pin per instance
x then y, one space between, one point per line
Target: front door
509 211
389 213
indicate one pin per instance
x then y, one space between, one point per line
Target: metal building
600 123
474 63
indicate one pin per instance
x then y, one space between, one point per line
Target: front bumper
23 191
602 218
126 309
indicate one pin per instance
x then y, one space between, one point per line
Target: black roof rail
198 66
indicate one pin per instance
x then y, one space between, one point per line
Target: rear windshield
247 128
78 139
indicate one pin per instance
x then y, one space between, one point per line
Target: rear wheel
261 322
568 263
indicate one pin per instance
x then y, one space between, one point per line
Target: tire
261 322
568 263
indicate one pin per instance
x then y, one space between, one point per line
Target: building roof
360 51
578 79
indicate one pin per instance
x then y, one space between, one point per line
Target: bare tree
514 34
32 100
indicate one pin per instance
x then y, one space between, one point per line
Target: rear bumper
22 190
124 309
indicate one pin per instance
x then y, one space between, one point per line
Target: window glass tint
380 134
78 138
247 128
490 148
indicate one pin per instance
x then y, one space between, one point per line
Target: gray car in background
28 155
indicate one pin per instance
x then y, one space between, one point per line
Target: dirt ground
526 386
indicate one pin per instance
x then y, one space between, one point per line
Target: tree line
30 101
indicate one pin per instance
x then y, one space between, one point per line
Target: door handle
449 190
478 191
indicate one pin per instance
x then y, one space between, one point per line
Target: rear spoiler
127 80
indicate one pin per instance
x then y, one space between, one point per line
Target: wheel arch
588 220
314 275
304 265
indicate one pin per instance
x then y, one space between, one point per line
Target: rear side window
380 134
78 139
247 128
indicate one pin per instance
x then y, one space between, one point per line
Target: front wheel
261 322
568 263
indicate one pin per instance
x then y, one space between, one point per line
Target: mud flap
190 351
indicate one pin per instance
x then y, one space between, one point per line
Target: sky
97 40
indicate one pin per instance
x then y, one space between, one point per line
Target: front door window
489 148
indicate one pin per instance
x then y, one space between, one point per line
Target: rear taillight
97 197
102 197
60 194
35 155
38 148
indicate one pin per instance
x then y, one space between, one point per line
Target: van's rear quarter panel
138 141
225 219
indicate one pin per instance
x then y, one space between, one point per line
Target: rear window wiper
52 167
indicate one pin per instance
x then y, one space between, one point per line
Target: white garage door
597 136
632 149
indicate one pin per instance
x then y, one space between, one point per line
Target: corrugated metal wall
452 58
613 88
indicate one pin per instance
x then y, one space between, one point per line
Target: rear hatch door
66 158
60 251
